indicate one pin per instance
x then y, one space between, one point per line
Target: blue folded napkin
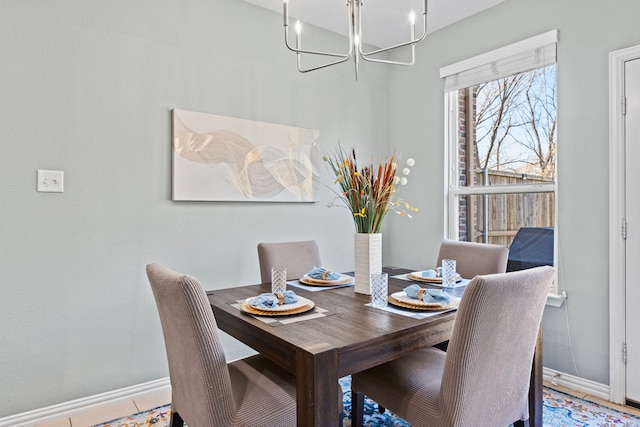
431 274
431 296
270 300
320 273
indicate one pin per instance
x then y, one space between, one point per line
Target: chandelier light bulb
412 17
298 27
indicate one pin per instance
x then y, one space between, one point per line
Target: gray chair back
200 381
488 362
474 259
297 257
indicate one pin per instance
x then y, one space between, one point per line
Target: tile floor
151 401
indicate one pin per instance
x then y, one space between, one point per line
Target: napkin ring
324 275
280 297
420 293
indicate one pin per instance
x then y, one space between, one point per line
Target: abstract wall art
217 158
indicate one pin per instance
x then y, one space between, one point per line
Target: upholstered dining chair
483 378
205 390
473 259
297 257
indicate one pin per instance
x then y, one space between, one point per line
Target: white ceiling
385 22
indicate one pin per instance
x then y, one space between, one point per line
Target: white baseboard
67 409
576 383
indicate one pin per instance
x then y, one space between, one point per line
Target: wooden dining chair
483 378
297 257
473 259
205 390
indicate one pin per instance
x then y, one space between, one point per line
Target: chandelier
354 12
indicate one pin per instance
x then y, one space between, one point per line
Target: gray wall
87 87
588 31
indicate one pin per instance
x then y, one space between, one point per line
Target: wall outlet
50 181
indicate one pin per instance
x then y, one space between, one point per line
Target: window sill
556 300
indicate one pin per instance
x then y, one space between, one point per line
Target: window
501 132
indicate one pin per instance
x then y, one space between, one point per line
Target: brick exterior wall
462 162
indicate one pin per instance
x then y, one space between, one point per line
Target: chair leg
521 423
357 408
176 420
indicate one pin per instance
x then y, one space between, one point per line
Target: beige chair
297 257
483 379
205 390
473 259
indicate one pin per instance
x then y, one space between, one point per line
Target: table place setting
445 276
415 314
413 301
319 279
416 298
284 319
276 304
281 303
280 308
413 277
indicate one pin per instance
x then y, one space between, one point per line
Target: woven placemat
252 310
422 306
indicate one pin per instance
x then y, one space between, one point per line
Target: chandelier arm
306 70
314 52
299 52
409 43
386 61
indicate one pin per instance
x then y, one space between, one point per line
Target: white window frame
453 191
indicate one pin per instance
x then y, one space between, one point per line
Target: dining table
342 335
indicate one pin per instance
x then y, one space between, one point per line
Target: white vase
368 259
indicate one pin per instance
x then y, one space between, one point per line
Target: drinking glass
379 289
278 279
449 274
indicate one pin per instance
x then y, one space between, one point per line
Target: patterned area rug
560 410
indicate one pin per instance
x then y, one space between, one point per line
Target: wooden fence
506 212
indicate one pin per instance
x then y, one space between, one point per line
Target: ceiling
385 22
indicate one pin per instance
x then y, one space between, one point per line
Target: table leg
357 408
317 385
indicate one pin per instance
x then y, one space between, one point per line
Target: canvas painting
217 158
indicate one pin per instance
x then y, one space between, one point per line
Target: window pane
509 126
501 215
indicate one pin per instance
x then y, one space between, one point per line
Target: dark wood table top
350 338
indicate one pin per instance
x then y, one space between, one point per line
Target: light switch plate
50 181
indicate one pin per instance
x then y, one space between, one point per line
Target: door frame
617 211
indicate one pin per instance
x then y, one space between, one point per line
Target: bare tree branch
517 111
